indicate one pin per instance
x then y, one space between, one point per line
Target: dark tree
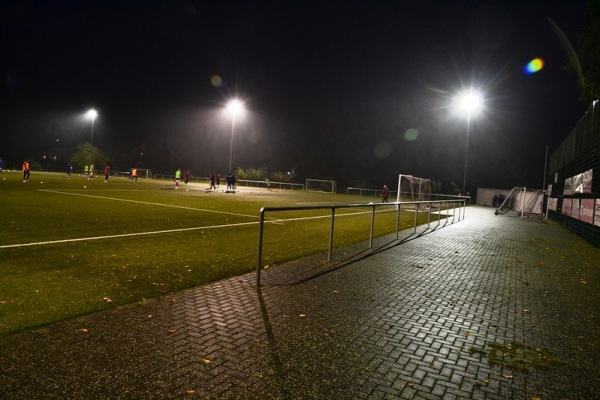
589 53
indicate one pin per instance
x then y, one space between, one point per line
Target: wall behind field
485 196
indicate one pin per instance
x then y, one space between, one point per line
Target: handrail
461 205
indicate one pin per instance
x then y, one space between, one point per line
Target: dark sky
352 91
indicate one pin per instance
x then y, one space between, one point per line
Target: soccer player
177 177
385 193
25 171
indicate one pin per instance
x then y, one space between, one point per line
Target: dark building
574 176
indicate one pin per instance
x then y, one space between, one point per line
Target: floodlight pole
92 141
464 185
92 114
231 147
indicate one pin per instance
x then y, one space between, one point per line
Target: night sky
355 91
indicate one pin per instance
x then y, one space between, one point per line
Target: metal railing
417 206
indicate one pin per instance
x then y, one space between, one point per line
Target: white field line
276 221
147 203
8 246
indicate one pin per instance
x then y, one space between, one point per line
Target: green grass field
70 246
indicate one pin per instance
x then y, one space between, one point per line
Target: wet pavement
490 307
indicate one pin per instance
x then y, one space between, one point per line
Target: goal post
320 185
413 188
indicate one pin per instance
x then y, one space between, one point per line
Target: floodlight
470 102
91 114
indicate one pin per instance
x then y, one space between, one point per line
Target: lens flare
216 81
382 150
411 134
533 66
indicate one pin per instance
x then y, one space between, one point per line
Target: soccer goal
412 188
320 185
522 202
144 173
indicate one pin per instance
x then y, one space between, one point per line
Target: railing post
429 216
457 206
260 242
372 226
416 214
447 212
397 221
330 253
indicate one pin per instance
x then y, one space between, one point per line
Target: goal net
412 188
320 185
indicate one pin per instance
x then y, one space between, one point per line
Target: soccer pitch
71 246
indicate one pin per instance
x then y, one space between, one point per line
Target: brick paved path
416 320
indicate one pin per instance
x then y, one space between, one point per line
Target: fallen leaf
206 361
302 315
83 330
149 315
190 391
518 260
